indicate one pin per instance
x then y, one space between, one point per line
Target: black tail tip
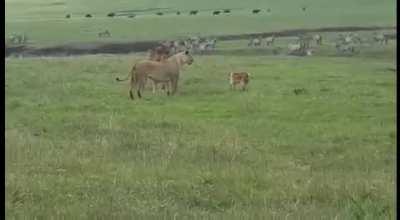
117 79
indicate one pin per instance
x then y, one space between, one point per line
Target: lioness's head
187 58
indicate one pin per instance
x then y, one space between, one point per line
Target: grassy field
77 147
44 21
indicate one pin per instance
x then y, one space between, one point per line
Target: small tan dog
241 78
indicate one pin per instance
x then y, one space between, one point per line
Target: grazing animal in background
18 38
276 50
207 45
357 39
341 39
159 13
309 52
380 38
194 12
239 78
178 13
344 39
168 45
304 41
348 39
131 16
270 40
105 33
203 47
254 42
88 15
176 46
216 12
166 71
318 39
345 48
255 11
193 43
227 10
294 47
159 53
303 8
111 14
212 43
68 16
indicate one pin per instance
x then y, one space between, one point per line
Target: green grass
44 22
77 147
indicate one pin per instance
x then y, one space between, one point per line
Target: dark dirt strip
124 48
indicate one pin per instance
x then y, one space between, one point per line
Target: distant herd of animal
191 12
344 43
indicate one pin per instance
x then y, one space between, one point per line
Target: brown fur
241 78
166 71
159 54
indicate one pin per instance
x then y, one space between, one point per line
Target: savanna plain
76 146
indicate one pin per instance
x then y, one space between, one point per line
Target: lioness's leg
234 86
132 85
169 86
140 84
174 83
244 87
154 84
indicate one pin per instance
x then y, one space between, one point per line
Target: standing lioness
166 71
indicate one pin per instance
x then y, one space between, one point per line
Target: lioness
165 71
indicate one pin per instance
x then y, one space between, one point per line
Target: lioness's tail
119 80
130 74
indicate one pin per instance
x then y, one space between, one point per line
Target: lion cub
239 78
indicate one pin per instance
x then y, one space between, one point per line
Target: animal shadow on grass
299 91
390 69
325 90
